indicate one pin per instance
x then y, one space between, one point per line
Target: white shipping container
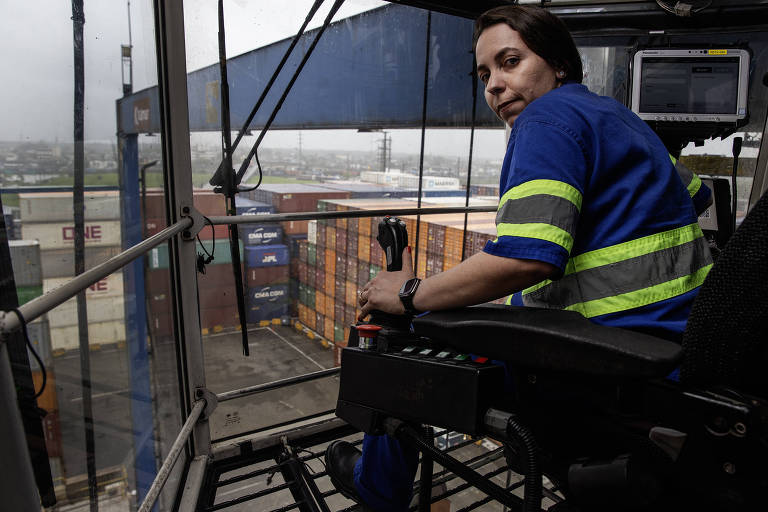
99 333
312 231
61 235
104 302
61 262
58 206
106 309
25 259
110 286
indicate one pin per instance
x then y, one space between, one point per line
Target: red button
368 330
481 360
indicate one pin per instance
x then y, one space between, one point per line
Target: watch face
409 286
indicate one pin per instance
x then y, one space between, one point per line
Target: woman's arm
481 278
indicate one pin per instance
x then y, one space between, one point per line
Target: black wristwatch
406 295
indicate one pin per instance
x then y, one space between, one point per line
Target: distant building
403 180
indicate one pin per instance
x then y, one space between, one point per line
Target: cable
216 179
31 349
202 261
682 8
244 166
736 151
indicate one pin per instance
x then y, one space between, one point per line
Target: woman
592 218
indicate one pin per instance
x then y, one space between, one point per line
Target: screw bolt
740 428
186 233
729 467
185 210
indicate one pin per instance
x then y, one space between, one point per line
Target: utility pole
385 152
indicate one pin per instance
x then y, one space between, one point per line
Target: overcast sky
37 87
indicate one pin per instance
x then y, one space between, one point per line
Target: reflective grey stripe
686 175
622 277
544 208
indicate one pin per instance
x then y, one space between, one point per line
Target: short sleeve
543 182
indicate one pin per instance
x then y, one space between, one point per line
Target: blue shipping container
262 234
245 206
266 255
260 295
266 312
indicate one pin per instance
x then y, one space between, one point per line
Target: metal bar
248 497
280 217
194 482
423 138
173 454
37 307
260 388
174 101
471 151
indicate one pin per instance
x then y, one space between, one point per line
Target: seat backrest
726 339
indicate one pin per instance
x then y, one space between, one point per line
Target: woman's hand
382 292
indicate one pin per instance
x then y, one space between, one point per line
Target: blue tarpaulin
366 72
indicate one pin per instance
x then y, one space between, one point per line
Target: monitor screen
690 85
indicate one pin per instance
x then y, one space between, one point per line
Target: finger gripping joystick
393 238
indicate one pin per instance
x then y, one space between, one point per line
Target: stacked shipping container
48 218
341 255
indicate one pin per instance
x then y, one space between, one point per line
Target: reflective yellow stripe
535 287
548 187
638 298
694 185
537 230
634 248
674 160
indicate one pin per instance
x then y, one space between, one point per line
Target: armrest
553 340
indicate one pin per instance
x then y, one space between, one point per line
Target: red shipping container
161 324
319 322
311 277
303 250
320 279
206 202
52 433
321 234
223 296
341 266
154 226
363 272
338 312
220 317
341 242
263 276
352 238
352 225
295 227
350 317
352 269
337 355
340 289
303 272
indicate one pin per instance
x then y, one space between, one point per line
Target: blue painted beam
367 71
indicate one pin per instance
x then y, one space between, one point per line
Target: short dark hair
543 32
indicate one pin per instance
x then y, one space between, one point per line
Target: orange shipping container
364 248
330 262
351 297
328 331
47 400
320 302
330 237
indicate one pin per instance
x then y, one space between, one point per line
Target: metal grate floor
293 477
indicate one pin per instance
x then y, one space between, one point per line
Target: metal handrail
37 307
280 217
170 459
260 388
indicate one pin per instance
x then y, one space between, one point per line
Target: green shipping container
312 255
27 293
311 298
375 269
158 257
338 332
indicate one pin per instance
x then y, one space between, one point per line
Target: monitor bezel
706 54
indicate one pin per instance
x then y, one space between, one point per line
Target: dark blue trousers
385 473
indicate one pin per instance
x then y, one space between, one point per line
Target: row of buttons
681 118
445 355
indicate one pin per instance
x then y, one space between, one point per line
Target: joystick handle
393 238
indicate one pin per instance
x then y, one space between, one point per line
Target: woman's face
513 75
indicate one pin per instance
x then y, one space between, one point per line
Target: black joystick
393 238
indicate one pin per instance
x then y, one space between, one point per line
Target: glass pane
132 380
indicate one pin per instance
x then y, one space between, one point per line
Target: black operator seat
551 340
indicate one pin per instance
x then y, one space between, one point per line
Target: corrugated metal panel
99 333
61 262
25 257
60 235
102 309
367 70
58 206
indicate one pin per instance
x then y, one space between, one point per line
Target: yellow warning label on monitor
717 52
